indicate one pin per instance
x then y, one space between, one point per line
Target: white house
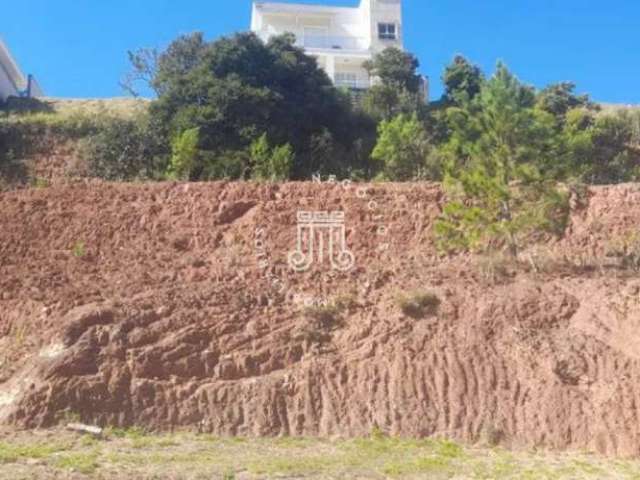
341 38
13 83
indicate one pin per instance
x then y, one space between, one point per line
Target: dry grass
182 456
117 107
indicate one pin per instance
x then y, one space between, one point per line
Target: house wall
354 30
383 11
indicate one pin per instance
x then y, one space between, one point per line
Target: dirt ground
173 305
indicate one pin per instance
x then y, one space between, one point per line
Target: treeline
239 108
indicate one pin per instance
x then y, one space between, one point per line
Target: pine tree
497 195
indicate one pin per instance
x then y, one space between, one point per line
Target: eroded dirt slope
172 305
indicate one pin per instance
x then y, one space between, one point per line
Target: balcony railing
353 84
322 41
331 43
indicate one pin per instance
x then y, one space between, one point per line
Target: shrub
223 165
419 304
184 154
270 164
323 316
320 321
123 149
402 149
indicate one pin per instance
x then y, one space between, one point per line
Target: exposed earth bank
173 305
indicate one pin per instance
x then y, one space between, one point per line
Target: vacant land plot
133 454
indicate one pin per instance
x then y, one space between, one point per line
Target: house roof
279 7
10 67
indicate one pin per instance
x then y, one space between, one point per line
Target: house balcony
352 84
323 42
326 42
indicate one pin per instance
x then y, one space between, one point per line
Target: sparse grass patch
449 449
78 249
626 248
187 455
297 465
10 452
39 182
323 316
418 304
82 462
346 302
495 267
19 333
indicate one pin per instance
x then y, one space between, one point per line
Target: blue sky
77 48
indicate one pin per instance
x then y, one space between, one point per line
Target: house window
349 80
387 31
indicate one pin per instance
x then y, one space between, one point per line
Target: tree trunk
513 244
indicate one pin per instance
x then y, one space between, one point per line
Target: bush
124 149
419 304
319 322
323 317
403 149
270 164
185 153
627 249
224 165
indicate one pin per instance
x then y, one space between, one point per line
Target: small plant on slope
419 304
78 250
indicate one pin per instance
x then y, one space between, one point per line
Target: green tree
497 194
235 88
615 157
270 164
599 148
462 81
144 63
559 98
395 68
185 154
501 122
384 102
403 150
398 90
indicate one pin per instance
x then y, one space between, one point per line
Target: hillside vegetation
215 118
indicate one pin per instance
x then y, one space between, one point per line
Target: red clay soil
172 305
